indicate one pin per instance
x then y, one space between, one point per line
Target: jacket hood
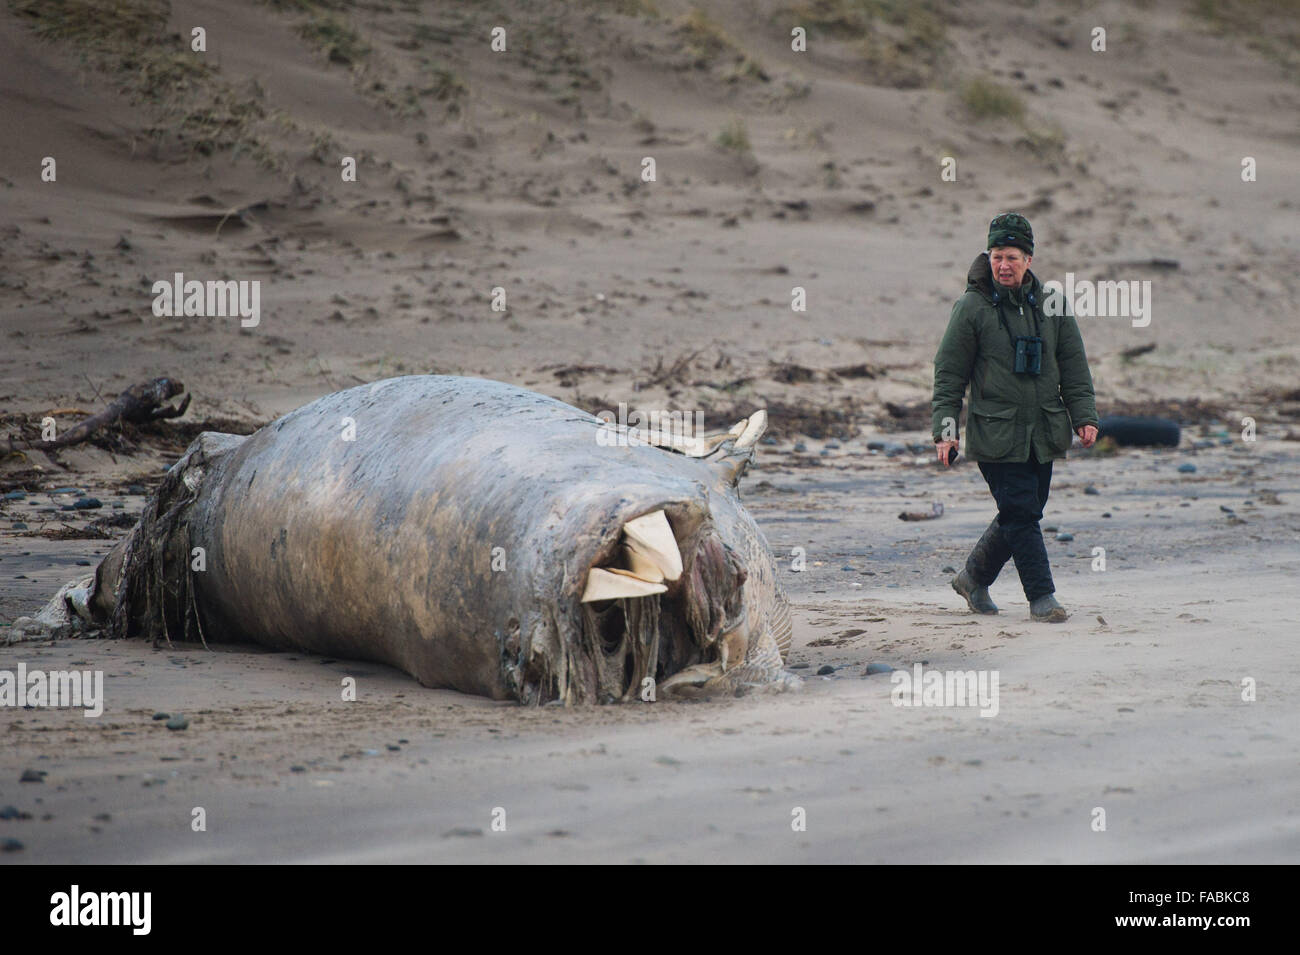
979 278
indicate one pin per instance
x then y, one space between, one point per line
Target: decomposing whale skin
450 527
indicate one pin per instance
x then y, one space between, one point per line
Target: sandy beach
1168 699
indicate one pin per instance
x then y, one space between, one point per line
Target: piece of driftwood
936 510
146 401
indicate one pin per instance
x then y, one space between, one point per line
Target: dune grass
128 40
333 36
707 43
985 99
735 136
902 41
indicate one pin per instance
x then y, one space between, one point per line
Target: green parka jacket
1009 413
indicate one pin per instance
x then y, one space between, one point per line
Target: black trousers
1021 493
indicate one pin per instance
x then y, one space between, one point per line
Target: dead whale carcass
474 534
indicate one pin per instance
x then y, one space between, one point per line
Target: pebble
800 447
11 845
874 668
1050 528
846 567
1064 536
66 490
178 722
1187 468
32 776
13 812
1091 490
297 769
769 440
14 496
87 504
798 666
833 445
19 526
948 569
893 449
875 445
826 670
1106 514
136 489
83 563
160 715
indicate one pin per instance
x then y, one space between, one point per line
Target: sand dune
522 170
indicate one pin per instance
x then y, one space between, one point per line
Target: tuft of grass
746 68
334 37
735 136
1045 141
324 147
449 88
986 99
705 39
706 43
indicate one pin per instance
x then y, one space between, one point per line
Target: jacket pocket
990 430
1057 426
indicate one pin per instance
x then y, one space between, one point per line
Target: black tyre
1140 432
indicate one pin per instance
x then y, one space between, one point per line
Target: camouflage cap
1011 228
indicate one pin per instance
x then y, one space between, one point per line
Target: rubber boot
1047 610
977 597
986 560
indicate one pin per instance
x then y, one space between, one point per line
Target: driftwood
1137 350
936 510
139 403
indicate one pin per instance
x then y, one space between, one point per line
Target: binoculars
1029 355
